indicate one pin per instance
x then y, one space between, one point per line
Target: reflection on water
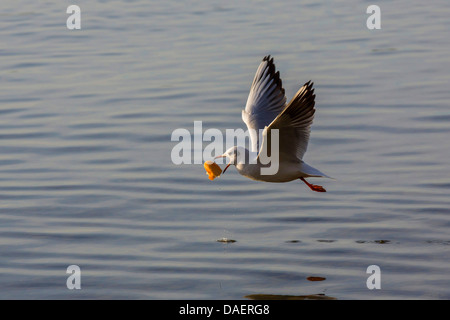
86 177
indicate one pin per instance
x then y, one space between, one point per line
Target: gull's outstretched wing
293 125
265 101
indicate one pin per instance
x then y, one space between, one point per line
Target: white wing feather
265 101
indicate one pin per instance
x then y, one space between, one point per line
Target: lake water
86 177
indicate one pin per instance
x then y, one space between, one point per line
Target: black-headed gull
266 109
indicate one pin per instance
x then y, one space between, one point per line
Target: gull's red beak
223 156
226 167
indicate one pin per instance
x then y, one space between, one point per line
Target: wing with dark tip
265 101
294 125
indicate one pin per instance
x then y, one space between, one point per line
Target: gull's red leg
313 187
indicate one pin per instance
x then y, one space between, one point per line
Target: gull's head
234 155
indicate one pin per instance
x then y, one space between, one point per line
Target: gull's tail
313 172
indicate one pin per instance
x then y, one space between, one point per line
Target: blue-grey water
86 175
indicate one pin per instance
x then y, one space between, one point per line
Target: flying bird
266 109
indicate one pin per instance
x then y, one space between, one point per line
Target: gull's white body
286 172
266 109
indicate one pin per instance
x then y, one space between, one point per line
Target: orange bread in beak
212 169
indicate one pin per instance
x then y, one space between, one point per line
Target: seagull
266 110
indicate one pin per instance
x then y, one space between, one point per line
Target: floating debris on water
438 242
226 240
315 278
374 241
293 241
